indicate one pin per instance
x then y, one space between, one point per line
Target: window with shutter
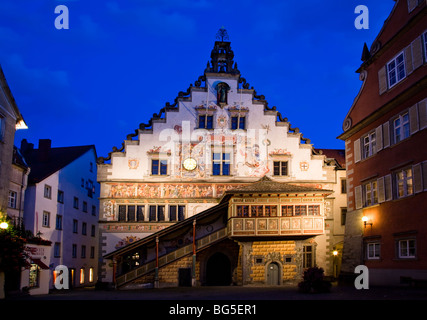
417 53
417 176
388 188
413 119
401 128
381 190
422 112
379 138
424 44
424 171
357 154
358 197
370 193
382 80
386 135
408 60
369 145
404 182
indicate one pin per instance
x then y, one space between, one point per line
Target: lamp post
335 264
365 220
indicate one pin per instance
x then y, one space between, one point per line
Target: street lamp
4 225
365 220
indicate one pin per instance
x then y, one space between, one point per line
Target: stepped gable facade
218 187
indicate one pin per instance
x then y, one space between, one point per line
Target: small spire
365 53
222 34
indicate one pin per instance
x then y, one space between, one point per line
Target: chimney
26 148
44 149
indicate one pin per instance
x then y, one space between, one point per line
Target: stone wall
273 251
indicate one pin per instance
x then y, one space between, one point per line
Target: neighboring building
10 120
61 205
386 154
18 184
220 162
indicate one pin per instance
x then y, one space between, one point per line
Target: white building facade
217 136
61 206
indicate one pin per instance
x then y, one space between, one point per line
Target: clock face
190 164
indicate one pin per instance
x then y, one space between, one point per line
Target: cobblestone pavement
209 303
235 293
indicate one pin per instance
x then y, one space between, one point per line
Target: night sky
121 61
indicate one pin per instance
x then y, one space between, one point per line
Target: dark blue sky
121 61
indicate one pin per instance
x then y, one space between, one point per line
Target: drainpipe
156 270
193 278
114 271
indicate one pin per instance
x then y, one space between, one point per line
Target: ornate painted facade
187 163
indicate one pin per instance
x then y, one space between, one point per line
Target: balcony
276 226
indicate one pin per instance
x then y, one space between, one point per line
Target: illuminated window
404 183
82 275
91 275
371 193
34 276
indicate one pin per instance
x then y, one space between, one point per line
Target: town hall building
217 189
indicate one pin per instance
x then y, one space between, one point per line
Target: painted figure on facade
222 90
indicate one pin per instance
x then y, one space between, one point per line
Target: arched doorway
218 270
273 277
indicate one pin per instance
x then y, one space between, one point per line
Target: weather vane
222 34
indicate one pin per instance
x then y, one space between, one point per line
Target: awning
41 264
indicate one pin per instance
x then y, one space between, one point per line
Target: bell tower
222 55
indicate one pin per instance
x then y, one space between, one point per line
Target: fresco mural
165 190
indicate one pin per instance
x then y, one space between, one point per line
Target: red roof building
386 155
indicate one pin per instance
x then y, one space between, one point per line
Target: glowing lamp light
4 225
335 252
365 220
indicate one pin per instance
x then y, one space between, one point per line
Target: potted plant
313 281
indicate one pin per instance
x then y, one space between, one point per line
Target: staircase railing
171 257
